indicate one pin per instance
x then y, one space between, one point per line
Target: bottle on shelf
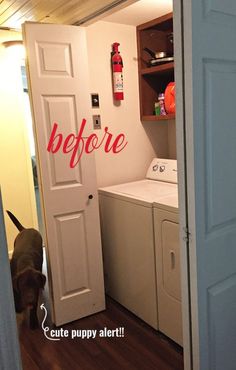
161 105
157 108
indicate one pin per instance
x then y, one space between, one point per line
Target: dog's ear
41 280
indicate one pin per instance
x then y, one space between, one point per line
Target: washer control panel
162 169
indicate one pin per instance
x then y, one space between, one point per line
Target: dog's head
26 286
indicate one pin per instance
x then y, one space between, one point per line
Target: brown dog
26 270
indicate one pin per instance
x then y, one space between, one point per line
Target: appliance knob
162 168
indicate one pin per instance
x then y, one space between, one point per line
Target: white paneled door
58 79
210 80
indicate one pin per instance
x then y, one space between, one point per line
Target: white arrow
46 328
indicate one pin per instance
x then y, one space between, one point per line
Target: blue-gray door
210 82
9 346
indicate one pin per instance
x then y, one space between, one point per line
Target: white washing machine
127 220
166 230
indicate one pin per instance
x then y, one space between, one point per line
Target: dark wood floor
141 348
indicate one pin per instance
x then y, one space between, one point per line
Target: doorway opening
152 129
116 206
19 180
34 164
29 125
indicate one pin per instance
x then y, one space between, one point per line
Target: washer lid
163 170
147 190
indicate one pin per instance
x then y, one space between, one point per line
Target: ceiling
140 12
14 12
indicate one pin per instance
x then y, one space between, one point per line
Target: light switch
95 100
96 121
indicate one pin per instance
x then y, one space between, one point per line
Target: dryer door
171 259
168 273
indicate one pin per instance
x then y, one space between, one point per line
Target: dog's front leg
33 319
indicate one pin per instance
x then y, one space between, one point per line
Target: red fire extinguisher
117 66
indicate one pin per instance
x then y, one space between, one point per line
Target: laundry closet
138 186
138 193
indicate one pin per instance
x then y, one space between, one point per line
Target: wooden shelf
153 80
158 118
163 68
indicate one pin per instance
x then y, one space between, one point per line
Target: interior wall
145 140
16 179
172 139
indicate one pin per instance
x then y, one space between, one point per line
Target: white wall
172 139
145 140
16 179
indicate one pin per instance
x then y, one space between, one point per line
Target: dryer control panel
162 169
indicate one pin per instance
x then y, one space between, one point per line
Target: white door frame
183 187
10 349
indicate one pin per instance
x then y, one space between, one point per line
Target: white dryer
166 229
128 238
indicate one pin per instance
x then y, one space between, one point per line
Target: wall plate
96 121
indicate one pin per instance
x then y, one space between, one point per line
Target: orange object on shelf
170 98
